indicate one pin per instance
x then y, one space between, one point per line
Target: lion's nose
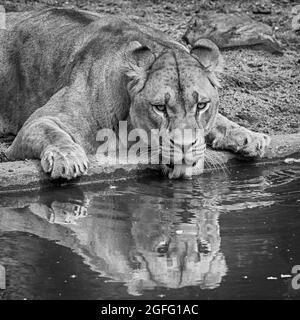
184 145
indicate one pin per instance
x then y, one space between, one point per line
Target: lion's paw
246 142
67 162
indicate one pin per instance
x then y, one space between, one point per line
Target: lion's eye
202 105
159 108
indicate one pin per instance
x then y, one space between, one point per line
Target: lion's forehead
179 75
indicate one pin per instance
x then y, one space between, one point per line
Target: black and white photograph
149 151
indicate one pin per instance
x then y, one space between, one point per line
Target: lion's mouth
184 165
176 171
180 171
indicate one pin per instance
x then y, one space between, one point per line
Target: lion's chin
183 170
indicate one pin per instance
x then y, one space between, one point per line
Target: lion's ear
138 59
208 54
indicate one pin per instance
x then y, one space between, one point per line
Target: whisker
215 162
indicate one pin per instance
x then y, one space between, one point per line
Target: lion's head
148 248
175 92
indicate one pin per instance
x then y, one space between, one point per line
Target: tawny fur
66 74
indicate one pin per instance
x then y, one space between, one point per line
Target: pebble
294 125
255 64
264 8
291 160
285 276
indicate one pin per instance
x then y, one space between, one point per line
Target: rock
281 107
3 147
255 64
244 115
141 13
296 18
263 7
3 157
2 18
294 125
295 10
170 7
232 30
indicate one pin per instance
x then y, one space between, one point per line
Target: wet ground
226 235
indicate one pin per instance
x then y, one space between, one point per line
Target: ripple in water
225 234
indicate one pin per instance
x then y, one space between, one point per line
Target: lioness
65 74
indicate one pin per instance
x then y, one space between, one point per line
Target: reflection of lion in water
149 248
188 255
66 74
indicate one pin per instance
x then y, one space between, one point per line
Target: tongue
186 171
181 170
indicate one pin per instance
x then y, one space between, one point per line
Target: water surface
224 235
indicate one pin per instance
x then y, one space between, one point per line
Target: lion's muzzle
185 155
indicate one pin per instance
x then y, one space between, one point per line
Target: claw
67 162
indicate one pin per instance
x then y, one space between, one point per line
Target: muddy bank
28 175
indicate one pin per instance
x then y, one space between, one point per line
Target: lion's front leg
228 135
43 138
